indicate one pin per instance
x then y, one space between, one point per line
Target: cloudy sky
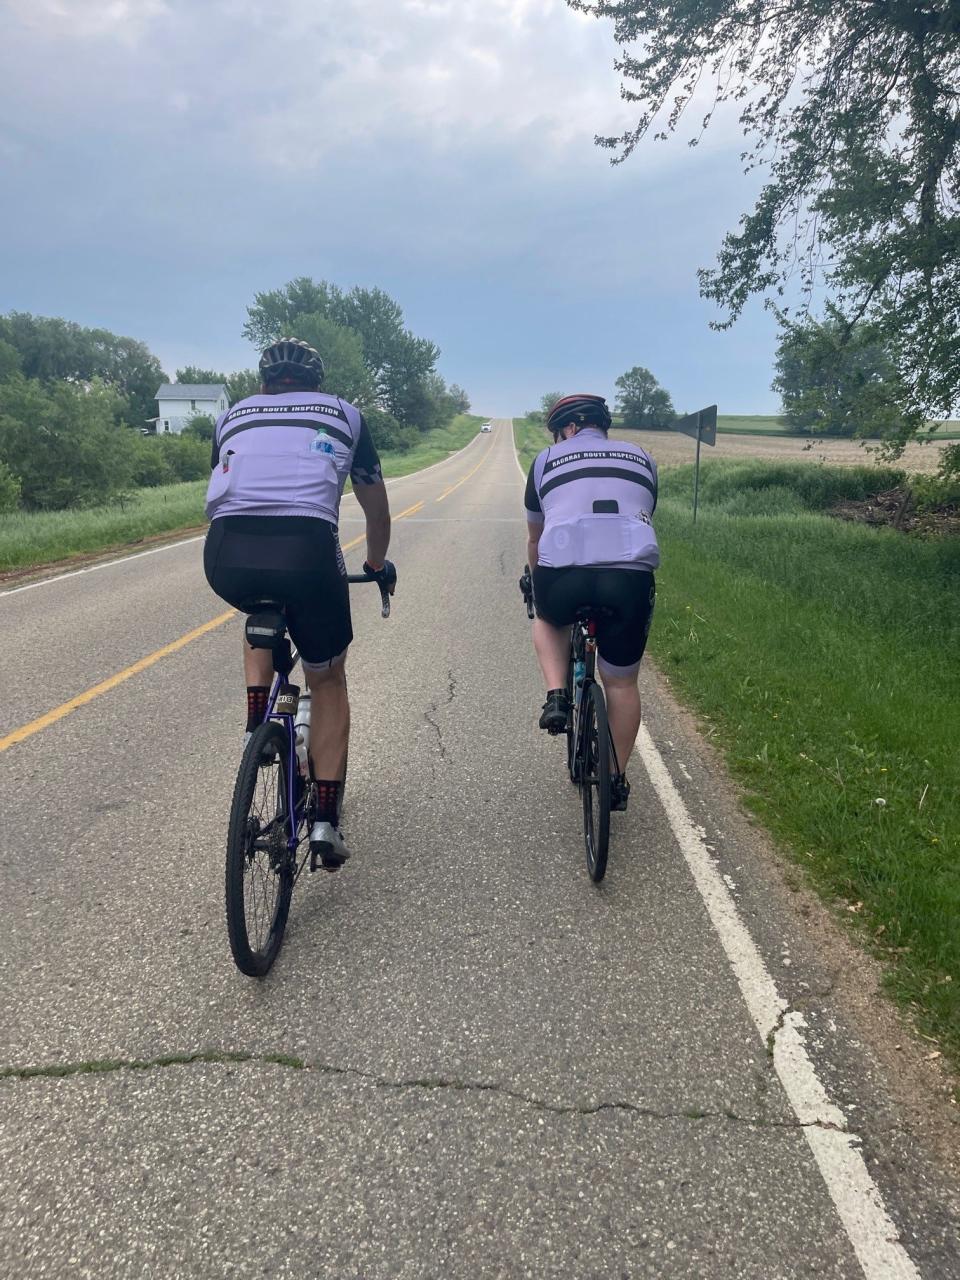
163 160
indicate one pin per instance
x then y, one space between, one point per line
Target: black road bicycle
273 807
591 756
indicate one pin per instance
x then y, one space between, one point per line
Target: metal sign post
702 426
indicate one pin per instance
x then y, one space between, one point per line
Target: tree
547 402
64 442
345 373
853 111
239 385
9 490
200 427
460 398
194 376
9 360
837 381
397 361
641 400
243 383
52 350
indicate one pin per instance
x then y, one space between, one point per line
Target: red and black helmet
581 410
291 360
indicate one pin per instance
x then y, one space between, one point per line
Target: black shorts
295 560
628 593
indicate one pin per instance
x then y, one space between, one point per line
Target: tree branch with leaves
853 113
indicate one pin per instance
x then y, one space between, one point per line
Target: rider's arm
371 493
534 509
533 543
376 507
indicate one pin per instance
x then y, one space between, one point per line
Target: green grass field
822 656
30 539
822 653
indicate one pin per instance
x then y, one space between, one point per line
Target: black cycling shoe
556 709
619 792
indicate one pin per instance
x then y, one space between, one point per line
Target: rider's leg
623 712
330 714
257 665
329 735
258 672
552 645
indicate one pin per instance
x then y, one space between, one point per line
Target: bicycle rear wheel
595 780
260 866
571 726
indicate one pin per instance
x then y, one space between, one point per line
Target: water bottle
301 727
579 671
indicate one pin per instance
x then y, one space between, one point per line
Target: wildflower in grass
880 802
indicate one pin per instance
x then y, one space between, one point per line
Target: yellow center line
466 477
356 541
51 717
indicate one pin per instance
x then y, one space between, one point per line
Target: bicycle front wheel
595 780
260 865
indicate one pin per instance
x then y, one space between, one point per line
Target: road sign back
703 424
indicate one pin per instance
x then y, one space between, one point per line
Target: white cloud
123 20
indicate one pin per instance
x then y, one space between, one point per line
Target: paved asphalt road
468 1060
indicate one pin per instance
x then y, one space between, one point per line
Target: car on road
486 427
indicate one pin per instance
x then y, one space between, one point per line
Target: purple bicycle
273 806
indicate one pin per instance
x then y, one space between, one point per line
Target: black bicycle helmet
291 360
582 410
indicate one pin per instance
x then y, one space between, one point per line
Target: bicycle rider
280 461
590 542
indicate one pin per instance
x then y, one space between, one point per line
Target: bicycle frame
583 648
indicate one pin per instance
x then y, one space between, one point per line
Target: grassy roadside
530 438
30 539
822 655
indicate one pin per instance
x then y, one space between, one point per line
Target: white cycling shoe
328 846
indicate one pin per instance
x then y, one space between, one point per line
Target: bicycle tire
571 726
259 826
595 780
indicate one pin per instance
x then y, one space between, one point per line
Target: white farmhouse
179 402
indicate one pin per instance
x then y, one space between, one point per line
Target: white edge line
516 455
855 1195
104 564
182 542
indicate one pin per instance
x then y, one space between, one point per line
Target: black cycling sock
329 792
257 695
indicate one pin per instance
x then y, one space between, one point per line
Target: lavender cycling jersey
288 455
594 498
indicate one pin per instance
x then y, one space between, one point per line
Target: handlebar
384 593
526 589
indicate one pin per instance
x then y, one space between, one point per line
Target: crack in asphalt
435 709
104 1066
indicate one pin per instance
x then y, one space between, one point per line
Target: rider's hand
386 575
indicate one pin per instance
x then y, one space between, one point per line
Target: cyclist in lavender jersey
590 542
280 461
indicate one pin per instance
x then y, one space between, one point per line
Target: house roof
189 391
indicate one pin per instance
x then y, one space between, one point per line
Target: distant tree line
75 401
641 403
